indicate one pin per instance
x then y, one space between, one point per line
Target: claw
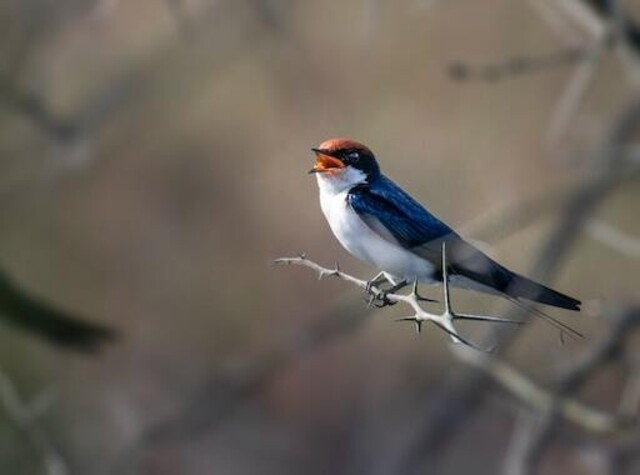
368 287
383 300
369 299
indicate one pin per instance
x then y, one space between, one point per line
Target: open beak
325 163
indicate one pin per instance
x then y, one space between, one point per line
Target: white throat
332 184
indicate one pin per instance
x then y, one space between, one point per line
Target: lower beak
325 163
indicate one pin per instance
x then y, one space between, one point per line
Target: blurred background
153 165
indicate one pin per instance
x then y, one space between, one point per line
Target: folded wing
408 224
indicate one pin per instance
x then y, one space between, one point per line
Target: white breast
363 242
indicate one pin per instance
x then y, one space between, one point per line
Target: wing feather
405 219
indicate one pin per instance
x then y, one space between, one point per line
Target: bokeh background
153 165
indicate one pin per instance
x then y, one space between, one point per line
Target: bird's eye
354 155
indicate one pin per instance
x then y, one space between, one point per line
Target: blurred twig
26 422
462 396
513 67
541 400
568 383
614 238
603 13
33 108
576 88
53 325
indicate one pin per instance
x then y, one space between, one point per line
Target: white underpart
359 238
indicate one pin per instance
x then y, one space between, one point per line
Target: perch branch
444 320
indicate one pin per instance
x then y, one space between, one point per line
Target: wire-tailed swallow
379 223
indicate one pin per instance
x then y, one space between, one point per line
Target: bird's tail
520 287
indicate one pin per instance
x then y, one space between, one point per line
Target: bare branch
25 421
570 381
444 321
614 238
525 390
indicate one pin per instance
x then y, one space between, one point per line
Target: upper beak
325 162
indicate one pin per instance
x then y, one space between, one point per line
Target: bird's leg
378 279
369 294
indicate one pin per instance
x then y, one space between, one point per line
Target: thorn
336 270
414 290
417 295
445 279
417 322
427 299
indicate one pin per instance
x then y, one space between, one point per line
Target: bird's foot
382 299
378 279
378 298
372 288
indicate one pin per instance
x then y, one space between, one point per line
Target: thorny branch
444 320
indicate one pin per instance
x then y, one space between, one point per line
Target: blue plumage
405 218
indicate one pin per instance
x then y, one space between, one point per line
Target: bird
39 318
379 223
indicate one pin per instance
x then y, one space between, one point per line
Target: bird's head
344 159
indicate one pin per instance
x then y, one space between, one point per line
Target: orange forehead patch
332 145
